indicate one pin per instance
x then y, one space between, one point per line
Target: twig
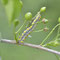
30 45
49 34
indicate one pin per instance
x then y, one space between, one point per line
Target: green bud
16 22
42 9
59 19
44 21
28 16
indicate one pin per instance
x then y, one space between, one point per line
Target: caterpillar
30 28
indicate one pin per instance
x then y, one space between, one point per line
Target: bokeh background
15 52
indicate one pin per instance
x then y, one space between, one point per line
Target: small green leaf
53 43
16 22
13 9
21 3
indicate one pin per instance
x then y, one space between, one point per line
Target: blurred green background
15 52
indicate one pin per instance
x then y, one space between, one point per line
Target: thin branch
30 45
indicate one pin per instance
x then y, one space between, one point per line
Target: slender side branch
49 34
30 45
